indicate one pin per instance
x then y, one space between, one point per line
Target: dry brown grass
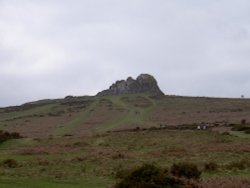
46 150
225 182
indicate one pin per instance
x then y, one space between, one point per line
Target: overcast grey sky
54 48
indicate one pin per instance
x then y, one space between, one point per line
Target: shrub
240 128
186 170
150 176
211 166
10 163
247 131
225 133
15 135
243 122
118 156
4 136
121 172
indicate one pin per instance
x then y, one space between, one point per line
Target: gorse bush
247 131
186 170
241 128
4 135
10 163
225 133
243 122
151 176
145 176
211 166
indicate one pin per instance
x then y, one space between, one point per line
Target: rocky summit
144 83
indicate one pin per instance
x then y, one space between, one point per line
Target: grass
132 114
241 134
41 183
24 142
136 115
91 161
123 112
78 120
20 114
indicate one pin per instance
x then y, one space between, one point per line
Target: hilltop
144 83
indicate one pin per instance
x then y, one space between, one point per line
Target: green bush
243 122
240 128
10 163
185 170
211 166
4 135
147 176
247 131
225 133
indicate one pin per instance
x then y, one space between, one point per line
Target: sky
55 48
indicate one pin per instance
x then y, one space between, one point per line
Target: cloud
53 48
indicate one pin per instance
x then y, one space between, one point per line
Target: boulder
144 83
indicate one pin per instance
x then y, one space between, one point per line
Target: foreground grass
41 183
92 161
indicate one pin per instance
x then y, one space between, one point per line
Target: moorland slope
122 107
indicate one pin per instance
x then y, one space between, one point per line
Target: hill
84 115
92 141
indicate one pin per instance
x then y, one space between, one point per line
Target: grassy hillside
86 141
85 115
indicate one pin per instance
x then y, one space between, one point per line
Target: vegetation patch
211 166
186 170
225 182
240 128
4 136
10 163
152 176
238 165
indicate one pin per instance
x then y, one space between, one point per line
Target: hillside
84 115
92 141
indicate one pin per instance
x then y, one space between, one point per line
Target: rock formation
144 83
